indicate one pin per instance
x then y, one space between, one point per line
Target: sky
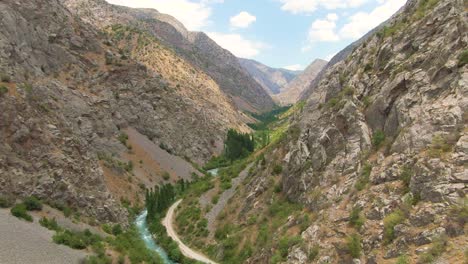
279 33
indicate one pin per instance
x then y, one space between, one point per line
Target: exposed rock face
291 93
272 80
379 150
72 88
405 86
195 47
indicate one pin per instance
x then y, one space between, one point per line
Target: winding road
188 252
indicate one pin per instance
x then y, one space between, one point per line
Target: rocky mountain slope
195 47
272 80
67 91
373 170
291 93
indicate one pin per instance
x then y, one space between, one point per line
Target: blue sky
278 33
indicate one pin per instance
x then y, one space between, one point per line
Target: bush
32 203
354 245
378 138
363 179
3 90
355 218
438 146
405 177
403 259
438 247
5 78
463 59
6 202
390 221
123 138
166 176
277 169
50 224
76 240
313 252
460 212
20 211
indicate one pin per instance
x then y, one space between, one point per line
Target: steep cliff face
195 47
291 93
272 80
68 89
378 155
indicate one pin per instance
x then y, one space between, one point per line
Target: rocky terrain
271 79
195 47
374 166
68 90
291 93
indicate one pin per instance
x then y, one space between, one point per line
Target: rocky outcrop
291 93
67 91
195 47
271 79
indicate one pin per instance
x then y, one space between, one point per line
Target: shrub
286 243
460 212
438 247
405 177
463 59
378 138
32 203
349 91
356 219
363 179
3 90
368 67
5 78
390 221
166 176
333 102
76 240
6 202
20 211
438 146
313 252
403 259
366 101
277 169
354 245
50 224
215 199
123 138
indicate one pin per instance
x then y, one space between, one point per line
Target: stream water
145 234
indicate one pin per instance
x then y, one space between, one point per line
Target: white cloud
330 56
361 22
193 14
242 20
295 67
309 6
324 29
238 45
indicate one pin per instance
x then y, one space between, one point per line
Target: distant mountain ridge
195 47
273 80
291 93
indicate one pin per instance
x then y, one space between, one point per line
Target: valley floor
23 242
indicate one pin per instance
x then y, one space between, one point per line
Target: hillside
291 93
68 92
196 48
371 170
271 79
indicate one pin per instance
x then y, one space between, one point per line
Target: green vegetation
460 212
405 177
356 219
3 90
32 203
76 240
354 245
50 224
111 162
363 179
378 138
439 146
463 58
439 245
6 202
130 244
115 229
424 6
390 221
20 211
123 138
277 169
158 200
284 245
238 145
403 259
267 118
5 78
166 176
